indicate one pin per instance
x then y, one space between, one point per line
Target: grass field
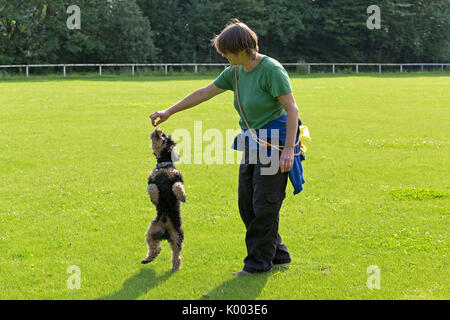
75 155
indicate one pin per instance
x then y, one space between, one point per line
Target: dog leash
304 132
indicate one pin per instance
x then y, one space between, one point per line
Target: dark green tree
119 31
112 31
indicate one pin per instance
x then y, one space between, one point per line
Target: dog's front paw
178 190
153 192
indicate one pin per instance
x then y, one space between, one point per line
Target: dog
166 191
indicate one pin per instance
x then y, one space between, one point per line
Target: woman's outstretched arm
195 98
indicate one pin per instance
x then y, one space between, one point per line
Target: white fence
224 65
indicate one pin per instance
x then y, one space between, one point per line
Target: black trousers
260 197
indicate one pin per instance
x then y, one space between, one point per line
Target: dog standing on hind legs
166 190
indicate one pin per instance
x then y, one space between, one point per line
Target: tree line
171 31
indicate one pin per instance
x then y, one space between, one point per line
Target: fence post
132 70
442 67
357 68
165 68
401 68
379 68
26 71
333 68
421 68
195 69
309 68
100 70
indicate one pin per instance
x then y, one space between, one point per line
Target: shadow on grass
137 285
239 288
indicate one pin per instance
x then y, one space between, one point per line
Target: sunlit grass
75 155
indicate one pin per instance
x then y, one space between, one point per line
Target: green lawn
74 161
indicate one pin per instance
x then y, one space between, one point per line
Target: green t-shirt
258 91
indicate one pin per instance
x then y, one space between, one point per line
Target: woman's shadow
239 288
137 285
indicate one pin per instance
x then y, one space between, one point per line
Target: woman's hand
162 115
287 155
287 159
196 97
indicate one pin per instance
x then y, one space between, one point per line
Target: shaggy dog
166 190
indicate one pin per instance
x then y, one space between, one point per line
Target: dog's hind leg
153 241
176 236
176 242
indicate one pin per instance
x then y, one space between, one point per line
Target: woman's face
234 59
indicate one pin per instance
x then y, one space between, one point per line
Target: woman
266 99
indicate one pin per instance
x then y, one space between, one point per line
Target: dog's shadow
239 288
138 284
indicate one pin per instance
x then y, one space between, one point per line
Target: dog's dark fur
166 190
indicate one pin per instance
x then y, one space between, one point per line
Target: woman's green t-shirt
258 91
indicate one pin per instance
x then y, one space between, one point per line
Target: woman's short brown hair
236 36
